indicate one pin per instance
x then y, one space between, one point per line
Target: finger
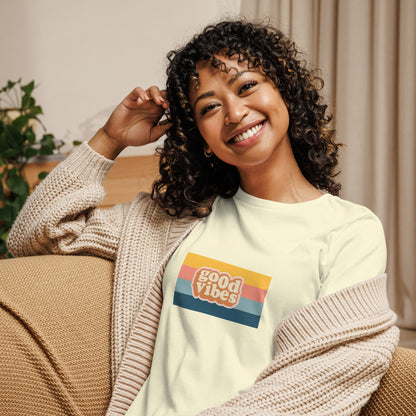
143 97
135 94
166 103
159 96
159 130
138 95
156 95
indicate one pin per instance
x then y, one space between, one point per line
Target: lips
246 132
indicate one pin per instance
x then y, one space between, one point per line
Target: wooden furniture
128 176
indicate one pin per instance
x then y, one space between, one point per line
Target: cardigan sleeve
60 216
330 357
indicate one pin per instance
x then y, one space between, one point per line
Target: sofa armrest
55 317
396 395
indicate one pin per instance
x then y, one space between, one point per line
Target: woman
243 285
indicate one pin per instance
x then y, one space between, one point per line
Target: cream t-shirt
243 268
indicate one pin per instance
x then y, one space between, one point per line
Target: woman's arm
60 216
330 357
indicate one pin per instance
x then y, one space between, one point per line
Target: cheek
209 131
279 108
275 99
284 114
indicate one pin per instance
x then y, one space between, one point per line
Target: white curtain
366 50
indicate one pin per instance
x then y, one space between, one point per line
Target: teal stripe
233 315
246 305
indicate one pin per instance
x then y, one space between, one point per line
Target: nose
235 111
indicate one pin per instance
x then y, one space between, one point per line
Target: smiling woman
235 104
243 284
248 76
244 122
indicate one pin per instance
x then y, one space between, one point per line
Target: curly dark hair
188 179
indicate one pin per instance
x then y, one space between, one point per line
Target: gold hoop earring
206 154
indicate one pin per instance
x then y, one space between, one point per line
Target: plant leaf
3 141
3 247
13 136
17 185
31 152
28 88
16 204
28 101
8 214
47 144
9 153
20 121
30 135
43 175
35 110
9 86
4 234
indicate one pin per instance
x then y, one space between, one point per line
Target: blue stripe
184 286
246 305
240 317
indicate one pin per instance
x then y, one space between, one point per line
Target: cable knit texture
330 356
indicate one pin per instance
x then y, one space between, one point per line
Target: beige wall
87 54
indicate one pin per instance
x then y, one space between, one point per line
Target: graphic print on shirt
221 289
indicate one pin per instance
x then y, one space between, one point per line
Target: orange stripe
251 278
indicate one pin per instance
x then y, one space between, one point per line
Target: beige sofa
55 342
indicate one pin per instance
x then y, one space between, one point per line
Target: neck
278 180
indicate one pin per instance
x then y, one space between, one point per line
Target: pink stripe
187 272
248 292
253 293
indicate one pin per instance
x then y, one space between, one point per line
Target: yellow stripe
251 278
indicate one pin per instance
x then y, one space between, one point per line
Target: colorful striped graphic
220 289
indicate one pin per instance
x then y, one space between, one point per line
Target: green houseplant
19 116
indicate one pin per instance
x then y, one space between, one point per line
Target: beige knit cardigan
329 356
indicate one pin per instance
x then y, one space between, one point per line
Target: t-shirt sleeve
356 252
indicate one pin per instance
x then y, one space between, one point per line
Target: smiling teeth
247 134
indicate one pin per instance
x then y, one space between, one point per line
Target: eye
246 86
207 108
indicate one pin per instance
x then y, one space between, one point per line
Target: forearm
330 357
338 382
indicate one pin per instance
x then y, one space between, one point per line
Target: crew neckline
260 202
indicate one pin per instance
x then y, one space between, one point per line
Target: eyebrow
229 82
204 95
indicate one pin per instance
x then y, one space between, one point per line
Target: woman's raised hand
134 122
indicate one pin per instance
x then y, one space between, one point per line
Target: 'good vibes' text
217 287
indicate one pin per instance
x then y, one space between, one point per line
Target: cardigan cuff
87 164
365 303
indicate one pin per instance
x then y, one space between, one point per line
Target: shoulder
356 247
346 215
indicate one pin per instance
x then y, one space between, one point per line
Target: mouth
246 134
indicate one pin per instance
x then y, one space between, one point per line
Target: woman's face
240 114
